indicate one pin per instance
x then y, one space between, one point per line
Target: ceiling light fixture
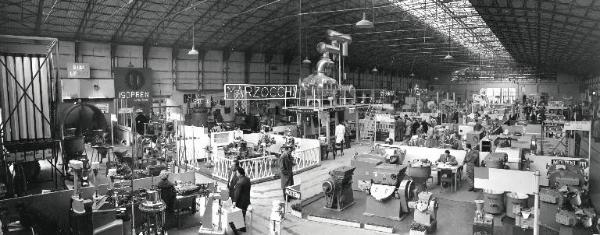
374 70
448 56
364 23
193 51
306 60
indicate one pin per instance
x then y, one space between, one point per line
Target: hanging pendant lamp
364 23
306 60
193 51
374 70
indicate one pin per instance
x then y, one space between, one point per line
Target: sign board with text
78 70
293 191
578 126
259 92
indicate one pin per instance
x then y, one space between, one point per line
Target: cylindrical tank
514 199
73 145
419 174
494 201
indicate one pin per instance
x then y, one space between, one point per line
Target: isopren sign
259 92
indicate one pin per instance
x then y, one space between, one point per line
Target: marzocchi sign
259 92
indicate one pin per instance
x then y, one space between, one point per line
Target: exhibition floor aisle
264 193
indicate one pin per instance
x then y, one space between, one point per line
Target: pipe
321 65
327 48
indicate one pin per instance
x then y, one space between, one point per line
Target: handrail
265 167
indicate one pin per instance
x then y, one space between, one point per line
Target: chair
446 177
184 205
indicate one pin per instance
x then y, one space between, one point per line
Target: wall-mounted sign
78 70
259 92
135 85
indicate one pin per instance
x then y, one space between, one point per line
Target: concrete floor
263 194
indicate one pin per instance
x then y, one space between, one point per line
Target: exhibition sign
259 92
504 180
78 70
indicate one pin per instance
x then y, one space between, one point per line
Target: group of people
470 161
406 127
239 185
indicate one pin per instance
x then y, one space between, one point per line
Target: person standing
233 179
286 162
399 129
471 160
242 193
340 133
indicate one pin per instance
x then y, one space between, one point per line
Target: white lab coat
340 132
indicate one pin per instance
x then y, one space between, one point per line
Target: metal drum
153 196
419 174
494 201
515 200
73 146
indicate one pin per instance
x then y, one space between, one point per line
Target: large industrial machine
569 188
385 199
338 188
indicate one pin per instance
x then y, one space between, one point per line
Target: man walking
471 159
286 162
242 193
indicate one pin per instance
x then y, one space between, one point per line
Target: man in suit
471 160
448 159
286 162
233 179
242 193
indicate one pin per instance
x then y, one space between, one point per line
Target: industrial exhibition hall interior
275 117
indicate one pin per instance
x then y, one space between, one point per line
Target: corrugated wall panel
98 56
160 61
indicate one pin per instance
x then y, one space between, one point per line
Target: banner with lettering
134 85
259 92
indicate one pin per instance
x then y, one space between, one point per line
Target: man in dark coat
233 179
399 129
242 193
471 160
167 190
286 162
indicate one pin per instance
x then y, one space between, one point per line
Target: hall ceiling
410 36
559 35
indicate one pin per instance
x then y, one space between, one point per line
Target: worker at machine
446 158
477 126
286 162
340 132
167 190
471 160
140 121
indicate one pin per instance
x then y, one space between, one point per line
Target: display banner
133 87
578 126
506 180
259 92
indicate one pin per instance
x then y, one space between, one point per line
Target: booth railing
306 156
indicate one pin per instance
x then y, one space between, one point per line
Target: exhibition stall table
431 154
456 172
306 156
